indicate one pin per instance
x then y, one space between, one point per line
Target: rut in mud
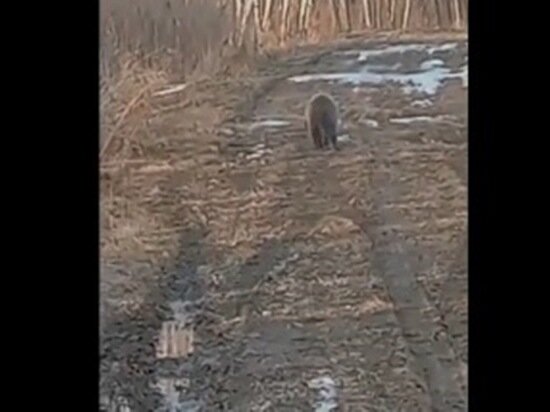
307 279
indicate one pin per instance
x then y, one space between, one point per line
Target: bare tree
437 13
457 20
392 13
378 14
344 16
267 14
257 20
245 10
309 9
387 13
406 14
302 16
284 21
366 14
334 14
237 10
449 11
349 11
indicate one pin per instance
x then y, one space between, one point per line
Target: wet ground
292 278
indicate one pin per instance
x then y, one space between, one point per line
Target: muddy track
283 341
432 357
320 279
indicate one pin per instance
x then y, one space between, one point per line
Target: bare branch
344 16
457 20
246 11
334 14
257 20
302 15
267 14
392 13
309 8
366 14
406 14
284 21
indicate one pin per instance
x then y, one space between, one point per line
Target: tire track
296 354
307 177
398 260
306 280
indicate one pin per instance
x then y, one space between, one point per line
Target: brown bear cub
322 120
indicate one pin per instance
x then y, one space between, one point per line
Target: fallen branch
173 89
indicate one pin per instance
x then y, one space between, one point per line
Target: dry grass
146 42
125 104
179 36
145 45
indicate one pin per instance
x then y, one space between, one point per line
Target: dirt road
304 279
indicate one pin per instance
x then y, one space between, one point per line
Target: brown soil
294 263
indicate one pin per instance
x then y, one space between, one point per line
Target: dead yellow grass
334 227
124 109
144 45
124 226
125 106
180 36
